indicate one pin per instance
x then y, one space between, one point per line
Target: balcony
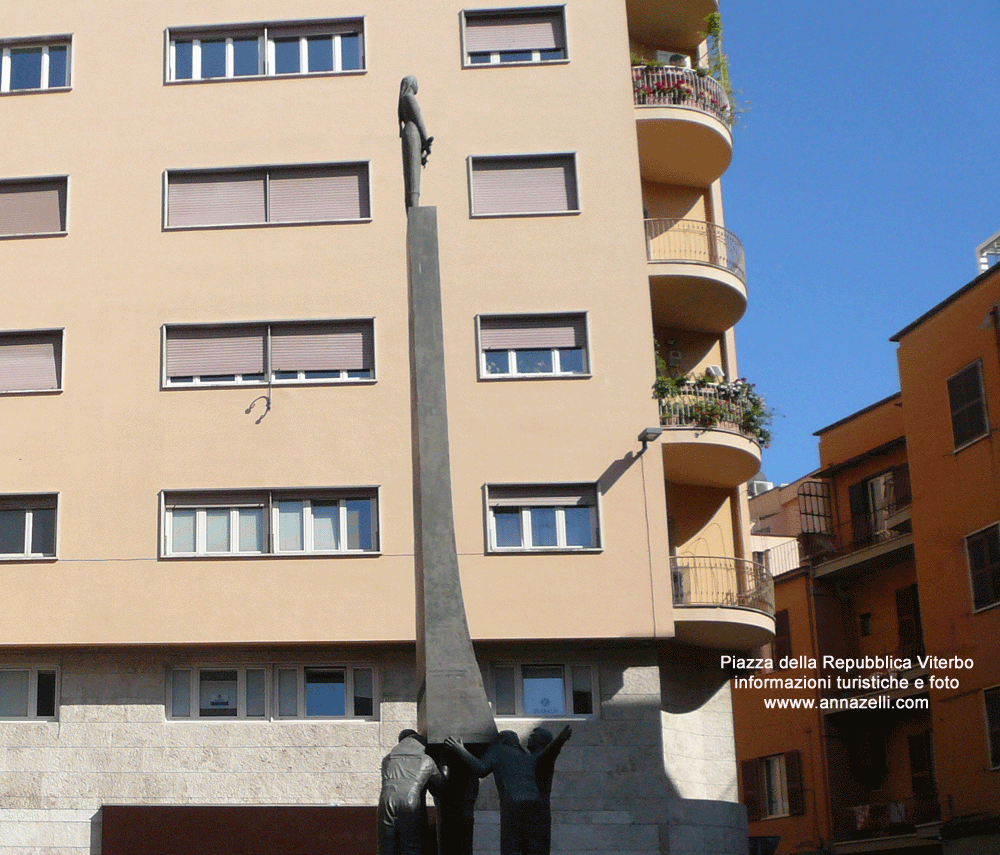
677 24
683 123
897 820
697 275
712 433
723 603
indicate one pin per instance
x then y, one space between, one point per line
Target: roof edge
951 298
860 412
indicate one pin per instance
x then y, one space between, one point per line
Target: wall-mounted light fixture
648 435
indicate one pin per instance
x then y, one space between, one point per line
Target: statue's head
406 733
408 86
538 739
508 737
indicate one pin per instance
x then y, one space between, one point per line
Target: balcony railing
708 580
670 86
731 407
889 818
695 241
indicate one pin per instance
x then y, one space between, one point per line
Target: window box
28 527
32 65
29 693
967 399
267 195
983 551
542 517
532 346
514 36
31 361
543 690
265 692
521 185
285 353
326 522
305 48
32 207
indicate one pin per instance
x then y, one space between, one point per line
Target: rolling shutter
542 495
753 789
344 346
527 332
215 198
200 351
318 193
524 185
33 207
541 30
30 362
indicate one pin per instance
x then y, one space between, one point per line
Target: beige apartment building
206 512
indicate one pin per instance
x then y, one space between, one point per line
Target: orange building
895 600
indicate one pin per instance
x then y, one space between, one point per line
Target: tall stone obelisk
451 700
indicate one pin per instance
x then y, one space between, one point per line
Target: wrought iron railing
695 241
714 407
709 580
669 86
886 818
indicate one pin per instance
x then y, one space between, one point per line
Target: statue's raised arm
416 142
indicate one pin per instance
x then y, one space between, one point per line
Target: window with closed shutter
323 193
524 184
532 345
32 207
515 36
31 361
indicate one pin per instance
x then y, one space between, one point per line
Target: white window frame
349 692
513 373
567 679
44 43
58 335
41 179
194 692
31 503
568 212
775 779
265 47
978 365
525 518
269 378
495 60
268 500
32 699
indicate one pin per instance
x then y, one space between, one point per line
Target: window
983 548
32 206
31 361
244 692
921 751
911 633
874 501
772 786
865 624
544 690
542 517
523 184
503 36
27 526
279 353
312 691
782 637
27 693
968 405
327 522
323 193
532 346
266 50
30 65
992 697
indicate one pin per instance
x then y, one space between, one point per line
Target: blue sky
864 175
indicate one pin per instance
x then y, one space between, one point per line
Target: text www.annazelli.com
880 702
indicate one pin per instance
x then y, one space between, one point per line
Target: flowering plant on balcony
649 91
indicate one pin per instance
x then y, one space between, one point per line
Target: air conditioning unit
673 58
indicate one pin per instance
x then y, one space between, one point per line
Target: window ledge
572 213
972 442
493 378
986 608
38 91
15 392
26 559
257 556
263 384
220 226
352 72
524 718
520 64
33 235
546 550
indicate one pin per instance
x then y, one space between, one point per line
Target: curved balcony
720 602
683 123
697 275
712 434
677 24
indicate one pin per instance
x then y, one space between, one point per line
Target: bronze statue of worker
416 142
407 773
